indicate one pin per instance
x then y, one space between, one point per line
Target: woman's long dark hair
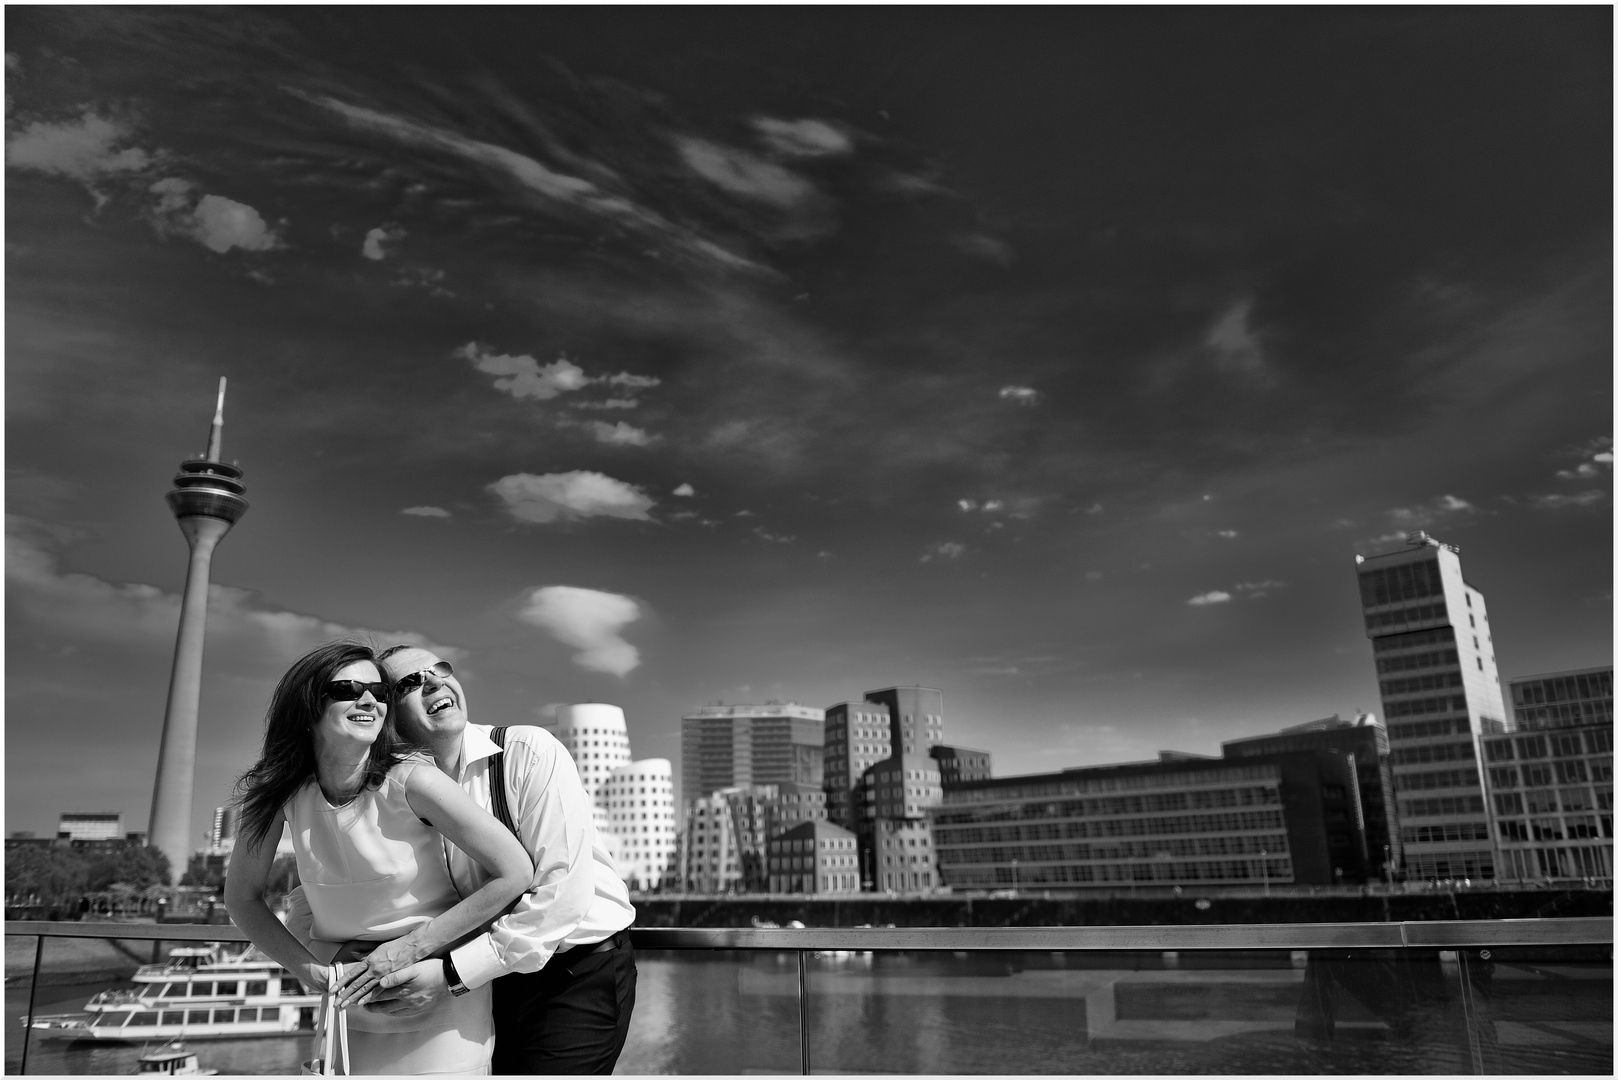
288 758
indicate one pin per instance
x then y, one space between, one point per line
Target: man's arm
555 817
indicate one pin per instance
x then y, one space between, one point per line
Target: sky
1061 359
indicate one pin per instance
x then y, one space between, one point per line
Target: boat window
172 1016
257 986
168 989
196 1016
224 1016
226 989
142 1019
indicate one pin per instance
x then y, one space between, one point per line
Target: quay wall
743 911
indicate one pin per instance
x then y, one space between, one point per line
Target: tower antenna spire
216 433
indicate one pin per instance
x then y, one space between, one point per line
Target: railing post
803 1010
33 985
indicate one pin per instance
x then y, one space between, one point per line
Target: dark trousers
571 1016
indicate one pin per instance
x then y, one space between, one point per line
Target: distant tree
132 865
54 877
203 871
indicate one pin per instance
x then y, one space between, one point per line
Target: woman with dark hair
369 816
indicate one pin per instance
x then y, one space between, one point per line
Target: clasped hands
394 978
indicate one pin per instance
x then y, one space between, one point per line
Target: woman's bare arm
244 899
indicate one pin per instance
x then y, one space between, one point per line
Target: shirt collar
476 744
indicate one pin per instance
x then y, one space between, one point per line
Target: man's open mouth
440 705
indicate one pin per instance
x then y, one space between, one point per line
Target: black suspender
497 784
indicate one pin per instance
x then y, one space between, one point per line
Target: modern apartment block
895 833
754 815
1429 632
1278 818
1550 781
724 746
857 736
957 764
709 859
1367 742
639 800
815 857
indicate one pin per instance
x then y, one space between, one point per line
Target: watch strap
453 978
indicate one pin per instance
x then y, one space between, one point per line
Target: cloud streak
570 496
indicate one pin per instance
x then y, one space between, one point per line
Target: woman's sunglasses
411 682
353 690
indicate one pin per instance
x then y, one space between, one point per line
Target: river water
939 1013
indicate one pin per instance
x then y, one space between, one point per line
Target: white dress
372 870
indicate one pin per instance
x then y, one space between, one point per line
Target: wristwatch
453 977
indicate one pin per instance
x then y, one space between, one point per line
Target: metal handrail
1447 934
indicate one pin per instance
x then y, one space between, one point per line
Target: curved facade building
639 799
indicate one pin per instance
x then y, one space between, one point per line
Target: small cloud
740 173
426 511
215 222
610 403
631 382
802 138
744 513
1233 341
619 434
590 621
1254 589
1094 508
944 550
685 491
984 247
775 538
84 149
1585 471
1557 502
966 505
1599 453
992 505
523 376
1022 395
1454 505
1216 596
375 239
1227 534
823 555
569 496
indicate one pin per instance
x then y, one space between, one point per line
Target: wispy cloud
743 174
684 491
1022 395
983 246
570 496
619 434
1213 596
1598 460
85 149
1558 502
944 549
802 138
590 621
426 511
215 222
1234 343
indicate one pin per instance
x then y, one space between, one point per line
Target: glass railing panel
84 1006
1394 1011
20 950
714 1011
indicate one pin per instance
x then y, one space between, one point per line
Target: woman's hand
358 980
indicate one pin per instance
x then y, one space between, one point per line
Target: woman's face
355 722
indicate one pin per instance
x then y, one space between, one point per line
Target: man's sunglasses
353 690
410 683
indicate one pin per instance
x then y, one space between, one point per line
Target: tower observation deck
208 498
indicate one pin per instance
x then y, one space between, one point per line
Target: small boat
172 1059
201 992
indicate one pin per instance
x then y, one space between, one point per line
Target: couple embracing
452 870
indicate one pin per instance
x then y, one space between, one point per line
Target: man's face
435 708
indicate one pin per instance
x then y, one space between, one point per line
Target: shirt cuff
477 963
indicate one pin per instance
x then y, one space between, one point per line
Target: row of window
1422 706
1420 755
1426 729
1243 870
1413 684
1414 640
1193 824
1560 772
1079 784
1424 613
1596 685
1181 847
203 1016
1548 802
1557 862
1116 805
1572 827
252 988
1450 804
1451 831
1438 658
1424 781
1555 744
1393 584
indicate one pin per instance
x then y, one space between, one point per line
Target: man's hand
356 986
410 991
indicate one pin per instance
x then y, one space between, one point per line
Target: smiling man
560 959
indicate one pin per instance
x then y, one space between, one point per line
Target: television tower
207 500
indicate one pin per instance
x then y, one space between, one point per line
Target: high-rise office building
723 746
857 737
958 764
1367 742
1435 664
1550 781
90 826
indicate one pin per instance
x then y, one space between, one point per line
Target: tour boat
201 992
172 1059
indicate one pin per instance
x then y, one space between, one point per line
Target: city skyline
1059 359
